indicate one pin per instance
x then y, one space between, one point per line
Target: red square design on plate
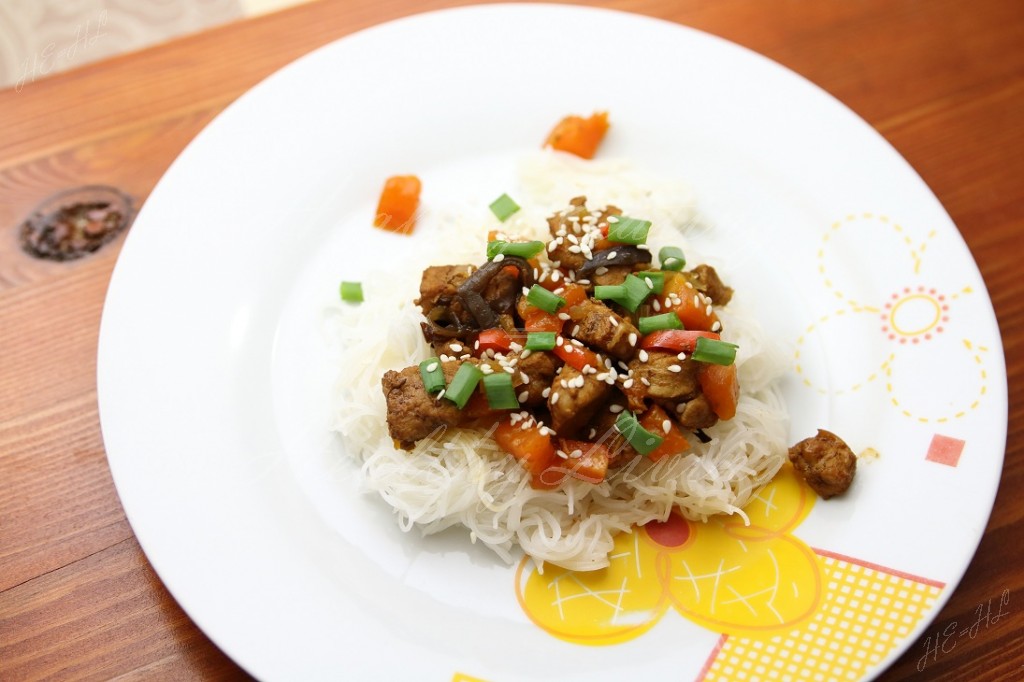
945 450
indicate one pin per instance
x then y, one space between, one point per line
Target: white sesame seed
555 274
432 367
440 394
611 318
675 368
666 426
644 381
577 343
628 383
525 354
649 282
559 291
575 330
681 356
611 255
643 355
644 247
717 326
510 370
574 249
587 369
500 257
524 378
576 454
546 392
573 239
563 316
552 245
561 454
445 358
601 270
554 398
486 369
545 431
707 311
632 339
476 345
526 291
457 347
612 219
696 301
656 304
465 356
559 340
524 396
680 407
591 435
615 409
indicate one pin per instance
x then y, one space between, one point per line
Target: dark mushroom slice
625 254
471 291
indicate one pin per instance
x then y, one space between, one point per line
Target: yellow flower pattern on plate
786 610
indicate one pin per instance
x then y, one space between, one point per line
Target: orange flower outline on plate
723 575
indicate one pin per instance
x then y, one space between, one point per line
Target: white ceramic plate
212 373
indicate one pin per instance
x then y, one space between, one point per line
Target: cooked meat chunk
438 299
574 399
413 413
825 462
596 325
705 280
451 348
613 275
540 368
662 376
695 413
439 284
576 221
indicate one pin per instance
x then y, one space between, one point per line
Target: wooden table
942 80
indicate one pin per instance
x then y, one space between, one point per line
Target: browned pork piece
569 226
661 376
825 462
692 414
597 326
413 413
536 372
573 400
705 280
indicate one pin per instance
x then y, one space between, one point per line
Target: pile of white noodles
461 478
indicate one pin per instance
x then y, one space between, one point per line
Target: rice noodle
459 476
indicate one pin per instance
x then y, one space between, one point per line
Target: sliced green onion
642 440
545 300
463 384
671 258
630 294
503 207
628 230
714 351
609 291
657 284
540 340
654 323
523 249
433 375
637 292
500 394
351 292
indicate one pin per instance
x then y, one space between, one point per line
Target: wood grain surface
942 80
